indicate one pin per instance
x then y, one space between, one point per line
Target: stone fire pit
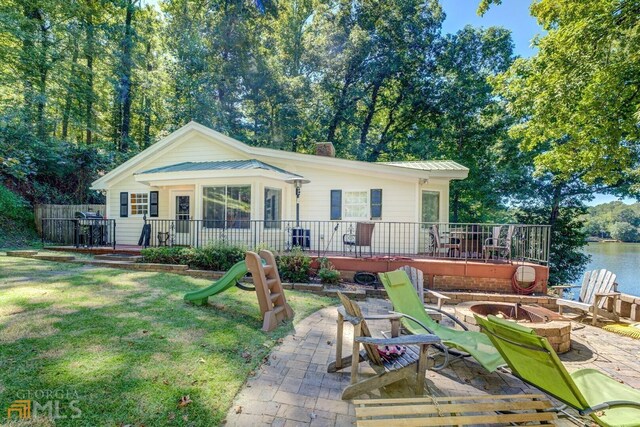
545 322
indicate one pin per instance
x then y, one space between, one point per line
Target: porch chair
501 246
388 370
532 359
362 237
416 320
439 244
597 287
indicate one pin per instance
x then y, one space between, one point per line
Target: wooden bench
459 410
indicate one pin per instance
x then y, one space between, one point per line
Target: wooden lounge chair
532 359
597 287
458 411
413 363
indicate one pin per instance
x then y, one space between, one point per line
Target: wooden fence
62 211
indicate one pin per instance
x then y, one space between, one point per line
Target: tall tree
579 96
89 52
123 89
471 125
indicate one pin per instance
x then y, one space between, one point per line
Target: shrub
327 272
217 256
17 227
294 266
13 206
165 255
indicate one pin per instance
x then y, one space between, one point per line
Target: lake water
621 258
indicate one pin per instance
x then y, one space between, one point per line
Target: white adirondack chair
417 279
597 286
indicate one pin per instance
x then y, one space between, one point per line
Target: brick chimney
325 149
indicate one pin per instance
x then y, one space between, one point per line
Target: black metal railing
79 232
517 242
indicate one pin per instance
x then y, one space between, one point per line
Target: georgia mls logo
53 404
21 408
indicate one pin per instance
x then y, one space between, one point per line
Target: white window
227 206
139 203
272 207
356 205
430 206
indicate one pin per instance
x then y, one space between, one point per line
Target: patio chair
460 343
439 244
532 359
362 237
497 245
388 370
597 287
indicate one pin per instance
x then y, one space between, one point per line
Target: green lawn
123 348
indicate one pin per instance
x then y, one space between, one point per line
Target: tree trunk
555 205
455 205
26 60
123 92
89 51
146 134
367 120
340 106
67 103
43 72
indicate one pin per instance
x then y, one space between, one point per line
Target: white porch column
197 205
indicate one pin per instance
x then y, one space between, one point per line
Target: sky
511 14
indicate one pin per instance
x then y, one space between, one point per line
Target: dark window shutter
376 203
124 204
153 204
336 204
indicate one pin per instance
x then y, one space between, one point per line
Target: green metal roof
429 165
218 166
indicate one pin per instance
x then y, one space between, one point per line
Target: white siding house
220 185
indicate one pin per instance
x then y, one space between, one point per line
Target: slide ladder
271 298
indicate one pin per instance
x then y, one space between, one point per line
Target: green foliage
14 207
216 257
567 261
624 231
17 228
327 272
165 255
615 219
578 96
471 126
85 85
294 266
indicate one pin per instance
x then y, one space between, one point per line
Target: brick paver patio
294 389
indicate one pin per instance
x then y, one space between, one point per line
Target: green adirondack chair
416 321
589 391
